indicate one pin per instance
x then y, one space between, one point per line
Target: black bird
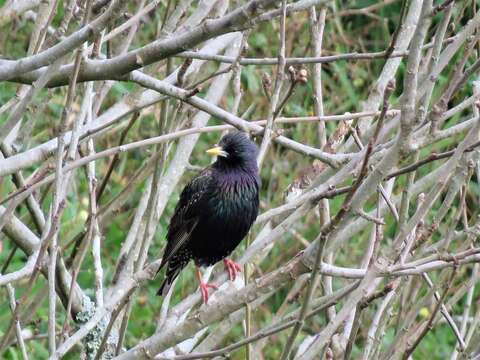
214 213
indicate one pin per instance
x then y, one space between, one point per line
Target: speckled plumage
215 210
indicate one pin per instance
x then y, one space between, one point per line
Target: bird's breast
233 206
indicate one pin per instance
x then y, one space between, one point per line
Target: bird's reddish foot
232 268
204 287
204 290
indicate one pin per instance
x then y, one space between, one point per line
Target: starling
214 213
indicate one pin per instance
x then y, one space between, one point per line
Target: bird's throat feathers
237 174
240 165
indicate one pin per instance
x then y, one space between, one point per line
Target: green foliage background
345 84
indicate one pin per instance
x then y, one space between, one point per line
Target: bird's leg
204 286
232 268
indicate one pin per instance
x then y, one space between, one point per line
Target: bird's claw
232 268
204 290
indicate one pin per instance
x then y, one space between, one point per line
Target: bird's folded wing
186 215
175 243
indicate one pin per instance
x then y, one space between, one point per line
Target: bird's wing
186 214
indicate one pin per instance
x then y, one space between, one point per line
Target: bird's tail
173 270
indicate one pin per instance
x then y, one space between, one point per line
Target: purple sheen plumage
216 209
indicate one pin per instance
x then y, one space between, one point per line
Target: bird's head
235 150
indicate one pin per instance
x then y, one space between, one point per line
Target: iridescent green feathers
215 210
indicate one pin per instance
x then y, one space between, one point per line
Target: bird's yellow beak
217 151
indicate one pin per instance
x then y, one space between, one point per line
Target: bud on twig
302 76
266 84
